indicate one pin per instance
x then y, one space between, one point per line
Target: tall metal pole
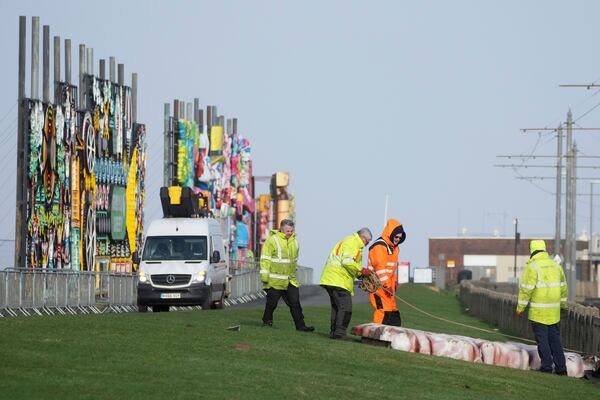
177 111
35 57
82 70
568 263
166 145
189 115
197 110
182 110
573 245
46 64
516 243
121 77
68 61
209 119
134 96
591 223
557 227
591 240
56 68
89 61
20 216
102 68
111 69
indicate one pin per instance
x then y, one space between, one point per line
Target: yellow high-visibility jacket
543 288
344 263
279 261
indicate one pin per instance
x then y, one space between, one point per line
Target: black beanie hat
397 230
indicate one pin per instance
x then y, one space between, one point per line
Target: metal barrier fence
305 275
26 291
50 291
245 282
579 325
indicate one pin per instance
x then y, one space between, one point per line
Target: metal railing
305 275
26 291
50 291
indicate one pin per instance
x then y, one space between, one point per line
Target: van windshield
175 248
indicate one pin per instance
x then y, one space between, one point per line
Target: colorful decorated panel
217 165
86 180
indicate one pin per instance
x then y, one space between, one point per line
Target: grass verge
191 355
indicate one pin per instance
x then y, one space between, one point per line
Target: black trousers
549 347
341 310
291 296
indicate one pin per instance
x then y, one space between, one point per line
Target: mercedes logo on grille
170 279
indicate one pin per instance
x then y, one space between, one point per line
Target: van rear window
175 248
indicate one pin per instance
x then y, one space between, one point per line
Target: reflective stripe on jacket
544 288
344 263
279 261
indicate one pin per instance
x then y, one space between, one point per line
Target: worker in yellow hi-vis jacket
543 288
343 265
278 265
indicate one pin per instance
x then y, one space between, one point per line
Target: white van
183 263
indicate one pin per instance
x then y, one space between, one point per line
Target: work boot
306 328
561 373
268 324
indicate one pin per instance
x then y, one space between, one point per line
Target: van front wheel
206 304
218 304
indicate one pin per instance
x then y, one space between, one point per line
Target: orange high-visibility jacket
383 256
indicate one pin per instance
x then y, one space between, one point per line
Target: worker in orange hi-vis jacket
383 260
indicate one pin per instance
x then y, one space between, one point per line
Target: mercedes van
182 263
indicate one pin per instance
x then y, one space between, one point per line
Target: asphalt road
310 295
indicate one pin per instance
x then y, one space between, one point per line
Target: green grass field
190 355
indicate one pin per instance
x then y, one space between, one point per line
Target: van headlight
199 277
142 277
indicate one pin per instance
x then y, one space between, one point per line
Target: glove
520 313
365 272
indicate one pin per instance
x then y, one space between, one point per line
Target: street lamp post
591 220
517 238
592 183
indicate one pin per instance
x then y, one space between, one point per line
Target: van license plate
170 295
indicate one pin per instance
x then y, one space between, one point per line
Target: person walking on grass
278 265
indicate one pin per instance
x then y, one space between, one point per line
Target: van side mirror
216 257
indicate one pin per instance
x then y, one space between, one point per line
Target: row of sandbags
511 355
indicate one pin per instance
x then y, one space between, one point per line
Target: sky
356 100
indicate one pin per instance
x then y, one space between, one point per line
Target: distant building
494 258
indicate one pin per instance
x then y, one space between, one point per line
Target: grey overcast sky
356 99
